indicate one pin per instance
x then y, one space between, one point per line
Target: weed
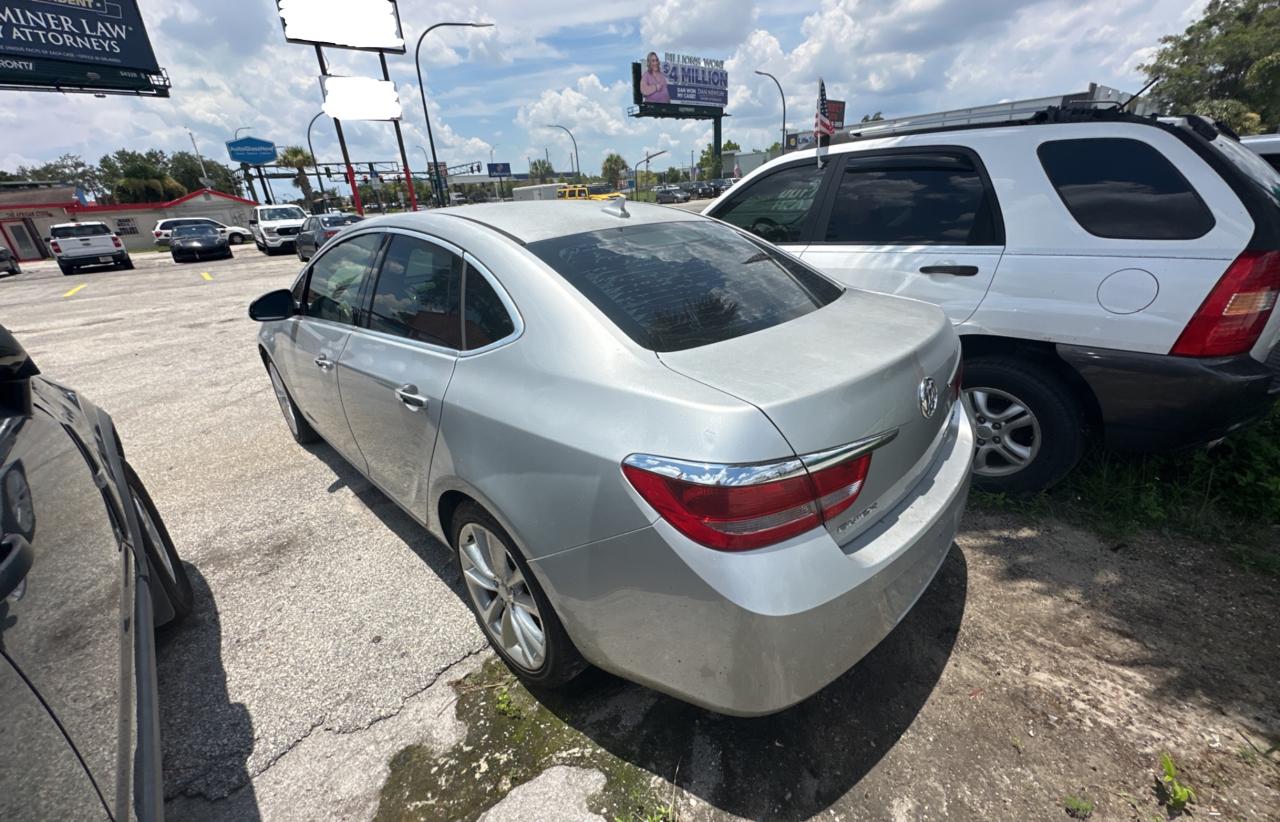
1247 755
1176 795
1078 807
504 705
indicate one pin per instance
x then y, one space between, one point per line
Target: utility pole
204 175
404 156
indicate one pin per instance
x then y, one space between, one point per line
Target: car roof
1270 143
78 222
531 221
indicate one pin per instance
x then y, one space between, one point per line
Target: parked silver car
658 444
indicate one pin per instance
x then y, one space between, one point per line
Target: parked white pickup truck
75 245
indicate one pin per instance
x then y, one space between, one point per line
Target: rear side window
419 293
673 286
1124 189
912 199
775 207
487 320
1254 166
84 230
333 290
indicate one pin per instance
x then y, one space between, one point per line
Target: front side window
419 293
333 290
487 320
678 285
1124 189
776 207
912 199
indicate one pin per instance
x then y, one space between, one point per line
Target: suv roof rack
1098 102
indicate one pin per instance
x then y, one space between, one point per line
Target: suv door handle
323 362
15 561
408 394
956 270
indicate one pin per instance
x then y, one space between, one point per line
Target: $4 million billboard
77 45
679 79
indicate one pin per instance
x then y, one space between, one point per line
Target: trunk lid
847 371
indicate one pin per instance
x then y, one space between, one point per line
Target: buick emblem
928 397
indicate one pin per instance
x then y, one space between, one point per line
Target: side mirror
16 371
274 305
253 222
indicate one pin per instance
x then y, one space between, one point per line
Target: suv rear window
678 285
1124 189
86 230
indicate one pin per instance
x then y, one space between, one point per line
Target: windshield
673 286
1252 164
289 213
195 231
86 230
340 219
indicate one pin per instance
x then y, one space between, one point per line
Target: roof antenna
617 206
1141 91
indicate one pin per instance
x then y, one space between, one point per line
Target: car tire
297 248
302 432
168 576
235 239
67 270
1028 450
127 265
522 609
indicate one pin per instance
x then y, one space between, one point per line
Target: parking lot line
73 291
206 275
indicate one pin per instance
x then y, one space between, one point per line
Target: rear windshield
1252 164
86 230
679 285
194 230
340 219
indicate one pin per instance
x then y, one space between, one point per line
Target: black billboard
77 45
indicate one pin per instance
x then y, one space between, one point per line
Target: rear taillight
329 234
57 249
158 233
116 241
1233 315
741 507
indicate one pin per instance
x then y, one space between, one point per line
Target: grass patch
511 738
1228 496
1077 807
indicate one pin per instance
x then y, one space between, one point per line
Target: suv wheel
235 239
167 575
66 269
509 604
1029 429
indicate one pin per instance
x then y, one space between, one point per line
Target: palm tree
613 169
299 158
142 181
541 170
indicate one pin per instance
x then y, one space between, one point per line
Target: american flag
822 120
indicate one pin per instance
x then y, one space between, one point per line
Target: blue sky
568 61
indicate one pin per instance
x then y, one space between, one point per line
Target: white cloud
706 24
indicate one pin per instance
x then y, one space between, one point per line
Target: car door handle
15 561
955 270
408 394
323 362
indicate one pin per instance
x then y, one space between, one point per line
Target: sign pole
342 143
248 181
404 156
715 151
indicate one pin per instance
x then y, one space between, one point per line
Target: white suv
1108 273
275 227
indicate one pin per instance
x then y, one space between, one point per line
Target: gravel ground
331 669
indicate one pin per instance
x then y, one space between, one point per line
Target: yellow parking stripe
206 275
73 291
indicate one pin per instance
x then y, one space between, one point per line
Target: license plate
106 259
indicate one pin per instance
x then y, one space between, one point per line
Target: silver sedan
658 444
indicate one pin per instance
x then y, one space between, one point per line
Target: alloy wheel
1007 433
282 397
501 596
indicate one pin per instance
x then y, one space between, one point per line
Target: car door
331 306
779 206
917 222
394 372
66 601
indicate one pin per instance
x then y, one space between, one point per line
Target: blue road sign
251 150
499 169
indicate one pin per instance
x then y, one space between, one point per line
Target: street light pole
422 89
784 107
314 161
635 175
204 175
577 165
242 128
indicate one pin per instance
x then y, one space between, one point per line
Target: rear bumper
117 257
1154 402
753 633
201 254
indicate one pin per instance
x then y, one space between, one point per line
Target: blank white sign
353 24
360 98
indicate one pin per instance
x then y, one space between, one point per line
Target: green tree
141 178
185 167
299 158
871 118
730 145
674 175
1225 65
541 170
67 168
613 169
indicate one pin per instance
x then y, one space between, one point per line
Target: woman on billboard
653 83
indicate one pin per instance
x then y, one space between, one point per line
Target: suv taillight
158 233
116 241
53 244
1233 315
741 507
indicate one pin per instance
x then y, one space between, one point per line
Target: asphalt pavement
322 609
